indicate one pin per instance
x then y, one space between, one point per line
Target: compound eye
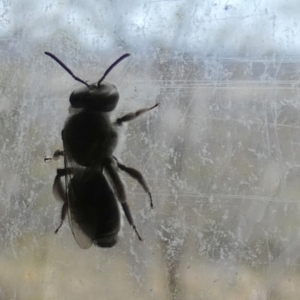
79 97
105 97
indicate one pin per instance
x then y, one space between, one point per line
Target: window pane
220 154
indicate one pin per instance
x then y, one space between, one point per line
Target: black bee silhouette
93 188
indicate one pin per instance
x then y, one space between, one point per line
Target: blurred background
221 153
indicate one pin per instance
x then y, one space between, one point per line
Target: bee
93 189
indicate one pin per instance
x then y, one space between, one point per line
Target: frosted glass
221 153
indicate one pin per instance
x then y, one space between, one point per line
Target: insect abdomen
95 208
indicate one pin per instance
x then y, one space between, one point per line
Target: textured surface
221 153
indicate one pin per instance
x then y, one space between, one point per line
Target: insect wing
81 238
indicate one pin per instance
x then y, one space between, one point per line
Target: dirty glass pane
221 153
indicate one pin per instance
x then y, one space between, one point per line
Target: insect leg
133 115
57 154
64 211
137 175
60 194
58 189
119 188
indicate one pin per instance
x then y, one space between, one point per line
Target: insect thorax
89 137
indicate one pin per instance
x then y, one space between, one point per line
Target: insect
93 188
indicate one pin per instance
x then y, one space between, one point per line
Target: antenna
112 66
66 68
